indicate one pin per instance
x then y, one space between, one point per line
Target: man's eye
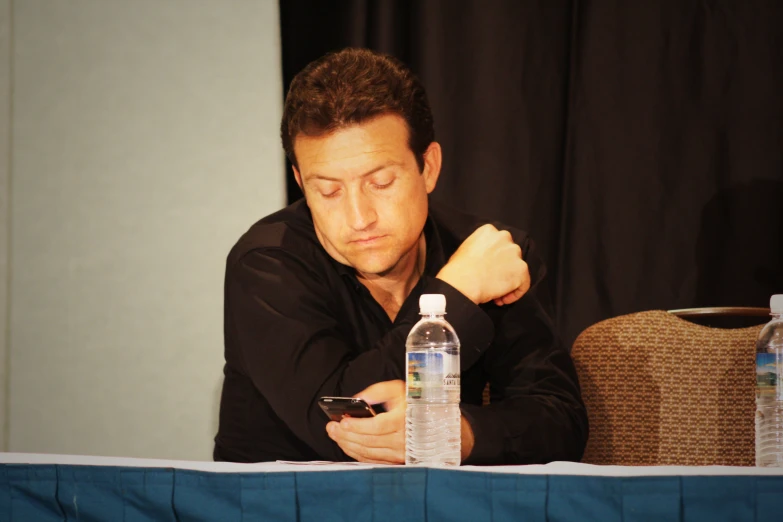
330 195
382 186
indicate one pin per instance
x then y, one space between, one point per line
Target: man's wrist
463 285
466 437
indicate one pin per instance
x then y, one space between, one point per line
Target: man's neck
392 288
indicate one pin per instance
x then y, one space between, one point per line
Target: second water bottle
769 389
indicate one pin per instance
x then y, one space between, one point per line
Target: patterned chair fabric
660 390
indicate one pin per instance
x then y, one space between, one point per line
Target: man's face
366 194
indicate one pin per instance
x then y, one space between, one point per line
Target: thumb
392 392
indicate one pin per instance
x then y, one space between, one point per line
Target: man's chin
372 267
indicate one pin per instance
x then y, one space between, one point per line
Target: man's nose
361 212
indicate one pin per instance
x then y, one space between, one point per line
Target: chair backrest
660 390
725 316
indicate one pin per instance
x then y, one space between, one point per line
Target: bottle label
768 374
432 374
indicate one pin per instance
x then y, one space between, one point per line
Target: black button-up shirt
299 325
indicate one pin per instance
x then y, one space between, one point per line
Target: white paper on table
215 467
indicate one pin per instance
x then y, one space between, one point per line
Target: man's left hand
379 439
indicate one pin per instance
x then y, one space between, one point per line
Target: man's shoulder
455 226
458 224
288 230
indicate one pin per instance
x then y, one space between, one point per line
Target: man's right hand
488 266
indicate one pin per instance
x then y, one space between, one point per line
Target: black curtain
640 143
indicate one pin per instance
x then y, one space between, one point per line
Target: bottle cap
434 303
775 304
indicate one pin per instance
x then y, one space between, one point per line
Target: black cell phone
338 407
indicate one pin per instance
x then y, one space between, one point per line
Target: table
64 487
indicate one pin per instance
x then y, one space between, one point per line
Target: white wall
5 167
144 142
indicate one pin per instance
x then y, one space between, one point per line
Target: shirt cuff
488 441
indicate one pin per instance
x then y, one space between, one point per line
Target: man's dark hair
353 86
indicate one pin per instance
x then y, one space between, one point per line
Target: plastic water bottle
433 416
769 389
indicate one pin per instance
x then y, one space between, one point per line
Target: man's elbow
562 440
575 434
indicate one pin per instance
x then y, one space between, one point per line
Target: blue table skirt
32 493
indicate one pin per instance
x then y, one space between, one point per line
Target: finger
357 458
488 227
360 454
384 455
511 297
343 438
334 432
517 294
383 423
525 274
386 391
339 434
391 440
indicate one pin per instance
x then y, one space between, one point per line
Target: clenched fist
488 266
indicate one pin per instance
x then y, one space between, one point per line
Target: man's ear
298 178
433 160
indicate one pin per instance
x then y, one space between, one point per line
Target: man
320 296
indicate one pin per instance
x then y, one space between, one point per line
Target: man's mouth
367 240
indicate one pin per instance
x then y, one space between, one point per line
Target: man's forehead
328 164
316 175
359 147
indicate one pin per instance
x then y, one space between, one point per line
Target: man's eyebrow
368 173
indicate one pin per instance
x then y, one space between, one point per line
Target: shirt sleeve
536 414
283 332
